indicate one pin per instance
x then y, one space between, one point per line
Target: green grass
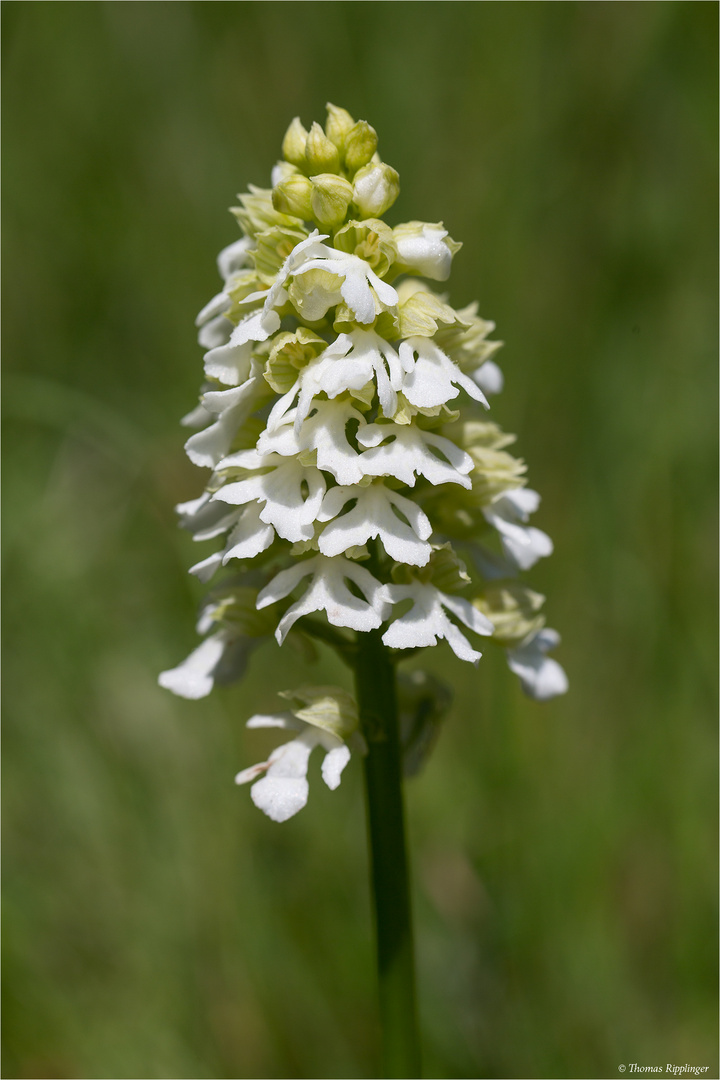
156 924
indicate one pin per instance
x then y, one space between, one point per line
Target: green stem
375 683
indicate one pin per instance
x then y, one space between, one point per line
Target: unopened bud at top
375 189
293 196
321 154
331 197
339 122
293 145
360 145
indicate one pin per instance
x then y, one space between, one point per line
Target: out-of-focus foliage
156 924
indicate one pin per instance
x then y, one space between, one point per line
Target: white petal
489 377
284 720
206 448
426 622
410 451
204 570
373 516
333 764
324 431
280 797
234 257
213 308
430 380
524 501
249 537
215 332
193 678
197 418
541 677
230 363
523 544
327 592
425 251
467 613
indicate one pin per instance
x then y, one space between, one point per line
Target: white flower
214 328
283 790
352 361
541 677
193 678
222 657
521 543
328 592
489 377
325 431
232 408
292 492
324 716
404 450
432 377
230 363
234 257
357 288
426 622
249 537
375 514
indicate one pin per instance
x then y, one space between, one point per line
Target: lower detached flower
323 716
541 677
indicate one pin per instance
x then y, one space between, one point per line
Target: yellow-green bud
339 122
514 611
331 196
375 189
293 196
293 145
371 240
321 155
360 145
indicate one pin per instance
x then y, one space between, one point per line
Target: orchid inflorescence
354 472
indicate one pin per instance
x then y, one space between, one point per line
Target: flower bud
321 155
371 240
293 196
293 145
339 122
360 145
425 249
281 170
331 197
514 611
375 189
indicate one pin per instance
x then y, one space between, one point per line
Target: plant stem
375 682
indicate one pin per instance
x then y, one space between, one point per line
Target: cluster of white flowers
343 418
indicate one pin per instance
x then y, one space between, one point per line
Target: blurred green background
156 924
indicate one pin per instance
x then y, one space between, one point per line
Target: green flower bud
257 213
272 249
293 145
360 145
375 189
321 155
314 293
289 354
325 707
513 609
422 313
339 122
331 197
371 240
293 196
